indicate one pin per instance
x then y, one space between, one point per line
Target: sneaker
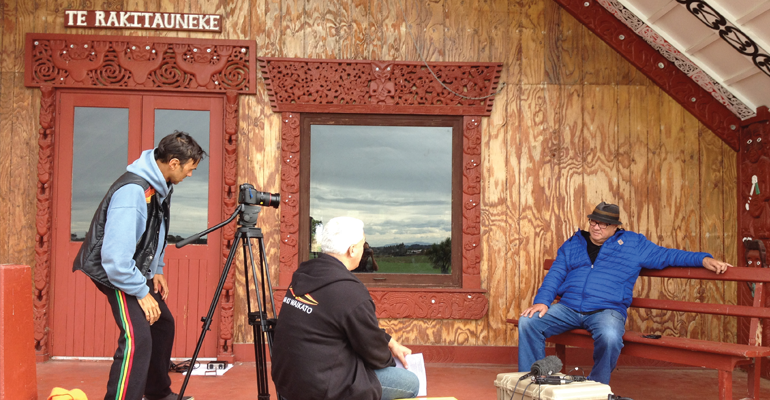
172 396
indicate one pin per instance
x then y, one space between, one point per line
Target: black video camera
249 195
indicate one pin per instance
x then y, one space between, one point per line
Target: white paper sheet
417 365
201 370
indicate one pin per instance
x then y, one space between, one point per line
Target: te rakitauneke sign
142 20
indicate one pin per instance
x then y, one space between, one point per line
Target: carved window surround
298 86
163 64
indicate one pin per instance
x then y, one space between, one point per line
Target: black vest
89 258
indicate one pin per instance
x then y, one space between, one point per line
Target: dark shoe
172 396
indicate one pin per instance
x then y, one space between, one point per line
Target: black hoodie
327 340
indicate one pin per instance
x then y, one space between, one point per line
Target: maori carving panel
471 198
754 212
43 221
230 200
147 63
380 87
423 303
289 258
754 185
664 73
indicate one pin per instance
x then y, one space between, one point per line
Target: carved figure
756 194
199 63
382 89
77 58
138 58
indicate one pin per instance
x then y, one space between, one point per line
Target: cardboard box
527 390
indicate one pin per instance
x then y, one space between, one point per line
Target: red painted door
97 136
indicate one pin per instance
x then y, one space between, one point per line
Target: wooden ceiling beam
661 12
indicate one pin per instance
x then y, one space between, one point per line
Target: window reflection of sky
189 203
398 180
100 155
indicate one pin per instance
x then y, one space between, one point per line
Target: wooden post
18 374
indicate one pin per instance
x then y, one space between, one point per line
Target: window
401 176
97 160
190 211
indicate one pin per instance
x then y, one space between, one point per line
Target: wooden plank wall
575 125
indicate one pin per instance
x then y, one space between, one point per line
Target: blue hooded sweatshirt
608 283
126 221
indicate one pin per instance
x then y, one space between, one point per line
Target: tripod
262 325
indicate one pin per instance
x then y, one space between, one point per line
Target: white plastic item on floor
587 390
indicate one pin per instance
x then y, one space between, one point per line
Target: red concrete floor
465 382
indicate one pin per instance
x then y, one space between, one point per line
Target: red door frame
186 268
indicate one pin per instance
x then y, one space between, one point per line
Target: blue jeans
607 328
397 383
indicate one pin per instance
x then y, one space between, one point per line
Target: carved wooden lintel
380 87
145 63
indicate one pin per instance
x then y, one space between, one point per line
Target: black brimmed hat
607 213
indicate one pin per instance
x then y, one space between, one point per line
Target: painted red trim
666 75
41 300
230 202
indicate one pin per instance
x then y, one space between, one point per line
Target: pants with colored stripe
141 362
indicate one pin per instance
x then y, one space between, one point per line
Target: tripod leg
259 350
266 325
212 308
266 278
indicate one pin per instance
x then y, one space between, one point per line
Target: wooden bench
724 357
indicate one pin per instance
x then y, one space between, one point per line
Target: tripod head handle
188 240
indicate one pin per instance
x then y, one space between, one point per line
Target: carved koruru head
753 142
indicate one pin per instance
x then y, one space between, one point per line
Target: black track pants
141 362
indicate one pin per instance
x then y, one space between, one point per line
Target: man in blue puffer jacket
594 273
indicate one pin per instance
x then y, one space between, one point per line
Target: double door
97 136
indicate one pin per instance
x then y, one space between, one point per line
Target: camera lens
268 199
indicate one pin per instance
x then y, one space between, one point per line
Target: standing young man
123 255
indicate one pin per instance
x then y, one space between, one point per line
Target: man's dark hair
179 145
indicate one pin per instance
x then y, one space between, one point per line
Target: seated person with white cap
328 343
